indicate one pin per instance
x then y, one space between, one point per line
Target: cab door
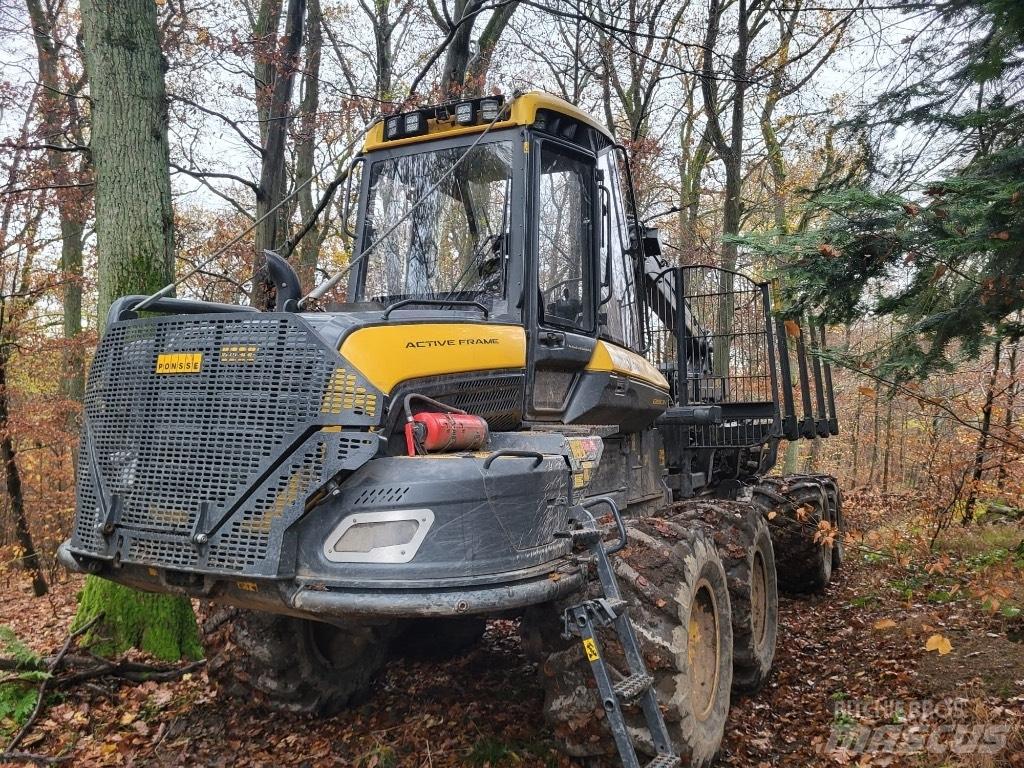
562 275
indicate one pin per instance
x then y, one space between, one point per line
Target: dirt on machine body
516 407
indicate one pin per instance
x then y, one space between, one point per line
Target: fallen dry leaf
938 643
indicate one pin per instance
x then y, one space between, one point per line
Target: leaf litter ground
851 658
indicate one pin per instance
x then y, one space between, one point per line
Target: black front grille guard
169 474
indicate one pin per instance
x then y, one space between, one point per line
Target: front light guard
392 536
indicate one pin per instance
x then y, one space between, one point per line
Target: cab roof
523 111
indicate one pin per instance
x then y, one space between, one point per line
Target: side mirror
651 241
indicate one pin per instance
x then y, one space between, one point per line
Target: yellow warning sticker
179 362
247 586
590 648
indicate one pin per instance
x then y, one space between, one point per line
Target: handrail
435 303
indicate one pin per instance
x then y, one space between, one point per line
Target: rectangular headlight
489 110
464 113
393 128
415 124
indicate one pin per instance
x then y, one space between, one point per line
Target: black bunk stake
807 423
790 428
821 421
830 393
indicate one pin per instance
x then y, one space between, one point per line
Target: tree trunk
305 145
887 456
456 60
29 555
465 70
264 39
855 442
272 226
986 425
731 153
135 243
134 220
874 442
71 208
480 64
1008 415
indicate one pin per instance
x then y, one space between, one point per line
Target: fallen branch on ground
64 670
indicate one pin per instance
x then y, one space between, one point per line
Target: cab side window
620 305
564 237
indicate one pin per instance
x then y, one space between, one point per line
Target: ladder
581 620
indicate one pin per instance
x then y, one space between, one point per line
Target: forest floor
853 683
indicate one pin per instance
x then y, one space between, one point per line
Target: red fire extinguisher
442 430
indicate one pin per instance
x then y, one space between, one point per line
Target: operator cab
512 213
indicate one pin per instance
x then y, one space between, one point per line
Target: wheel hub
758 599
703 649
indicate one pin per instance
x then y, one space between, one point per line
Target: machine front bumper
508 592
486 542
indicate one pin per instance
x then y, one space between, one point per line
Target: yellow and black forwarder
518 409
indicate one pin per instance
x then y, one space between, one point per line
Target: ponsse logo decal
429 343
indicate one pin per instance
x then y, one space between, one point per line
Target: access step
665 761
631 688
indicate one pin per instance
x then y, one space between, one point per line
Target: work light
464 113
489 110
414 123
392 128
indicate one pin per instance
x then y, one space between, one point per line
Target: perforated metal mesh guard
234 436
498 398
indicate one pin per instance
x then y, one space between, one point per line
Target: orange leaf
866 391
883 624
939 644
793 329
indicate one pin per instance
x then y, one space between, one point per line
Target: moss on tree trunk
162 625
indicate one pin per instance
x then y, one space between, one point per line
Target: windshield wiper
435 303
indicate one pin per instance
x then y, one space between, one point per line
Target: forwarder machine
511 407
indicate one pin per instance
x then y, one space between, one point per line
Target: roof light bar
457 113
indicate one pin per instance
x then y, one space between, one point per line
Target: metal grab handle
436 303
516 455
619 524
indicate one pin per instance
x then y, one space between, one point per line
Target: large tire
834 496
290 664
673 578
794 506
744 543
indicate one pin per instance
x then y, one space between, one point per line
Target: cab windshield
443 232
